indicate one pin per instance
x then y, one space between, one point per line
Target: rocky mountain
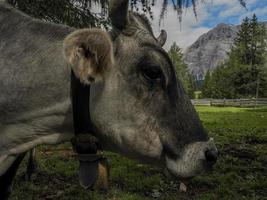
210 49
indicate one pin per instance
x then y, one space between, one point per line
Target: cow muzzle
195 158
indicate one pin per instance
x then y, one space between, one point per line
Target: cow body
139 109
34 83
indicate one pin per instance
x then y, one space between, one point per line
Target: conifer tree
244 73
182 71
206 87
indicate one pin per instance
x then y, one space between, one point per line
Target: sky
209 14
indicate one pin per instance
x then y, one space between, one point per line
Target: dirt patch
239 152
255 140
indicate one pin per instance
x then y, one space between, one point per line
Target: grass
197 95
240 173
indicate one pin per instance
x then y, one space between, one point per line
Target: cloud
260 12
223 2
230 8
233 11
229 3
183 34
209 14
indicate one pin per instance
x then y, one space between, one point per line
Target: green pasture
240 173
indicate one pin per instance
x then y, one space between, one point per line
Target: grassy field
241 171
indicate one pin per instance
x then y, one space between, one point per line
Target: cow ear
90 54
162 37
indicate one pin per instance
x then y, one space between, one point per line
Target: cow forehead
143 21
138 28
137 38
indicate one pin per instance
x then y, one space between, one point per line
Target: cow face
140 109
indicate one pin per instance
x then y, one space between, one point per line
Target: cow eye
152 73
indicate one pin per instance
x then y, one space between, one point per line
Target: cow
139 109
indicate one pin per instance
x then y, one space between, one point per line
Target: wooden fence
230 102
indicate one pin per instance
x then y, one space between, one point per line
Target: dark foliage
244 74
76 13
81 13
182 71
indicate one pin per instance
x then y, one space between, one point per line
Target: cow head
140 108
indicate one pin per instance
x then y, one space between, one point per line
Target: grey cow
139 110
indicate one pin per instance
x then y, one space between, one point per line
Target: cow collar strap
85 144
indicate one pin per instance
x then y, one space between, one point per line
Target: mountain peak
210 49
221 25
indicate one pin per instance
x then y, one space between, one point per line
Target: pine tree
191 85
207 86
239 51
182 71
244 73
220 83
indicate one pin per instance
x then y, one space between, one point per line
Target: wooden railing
230 102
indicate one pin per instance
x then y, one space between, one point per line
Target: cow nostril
211 156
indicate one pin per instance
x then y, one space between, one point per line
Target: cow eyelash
151 73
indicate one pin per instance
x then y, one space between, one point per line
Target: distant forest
244 74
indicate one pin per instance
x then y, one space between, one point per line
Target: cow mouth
208 166
196 159
169 174
207 169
